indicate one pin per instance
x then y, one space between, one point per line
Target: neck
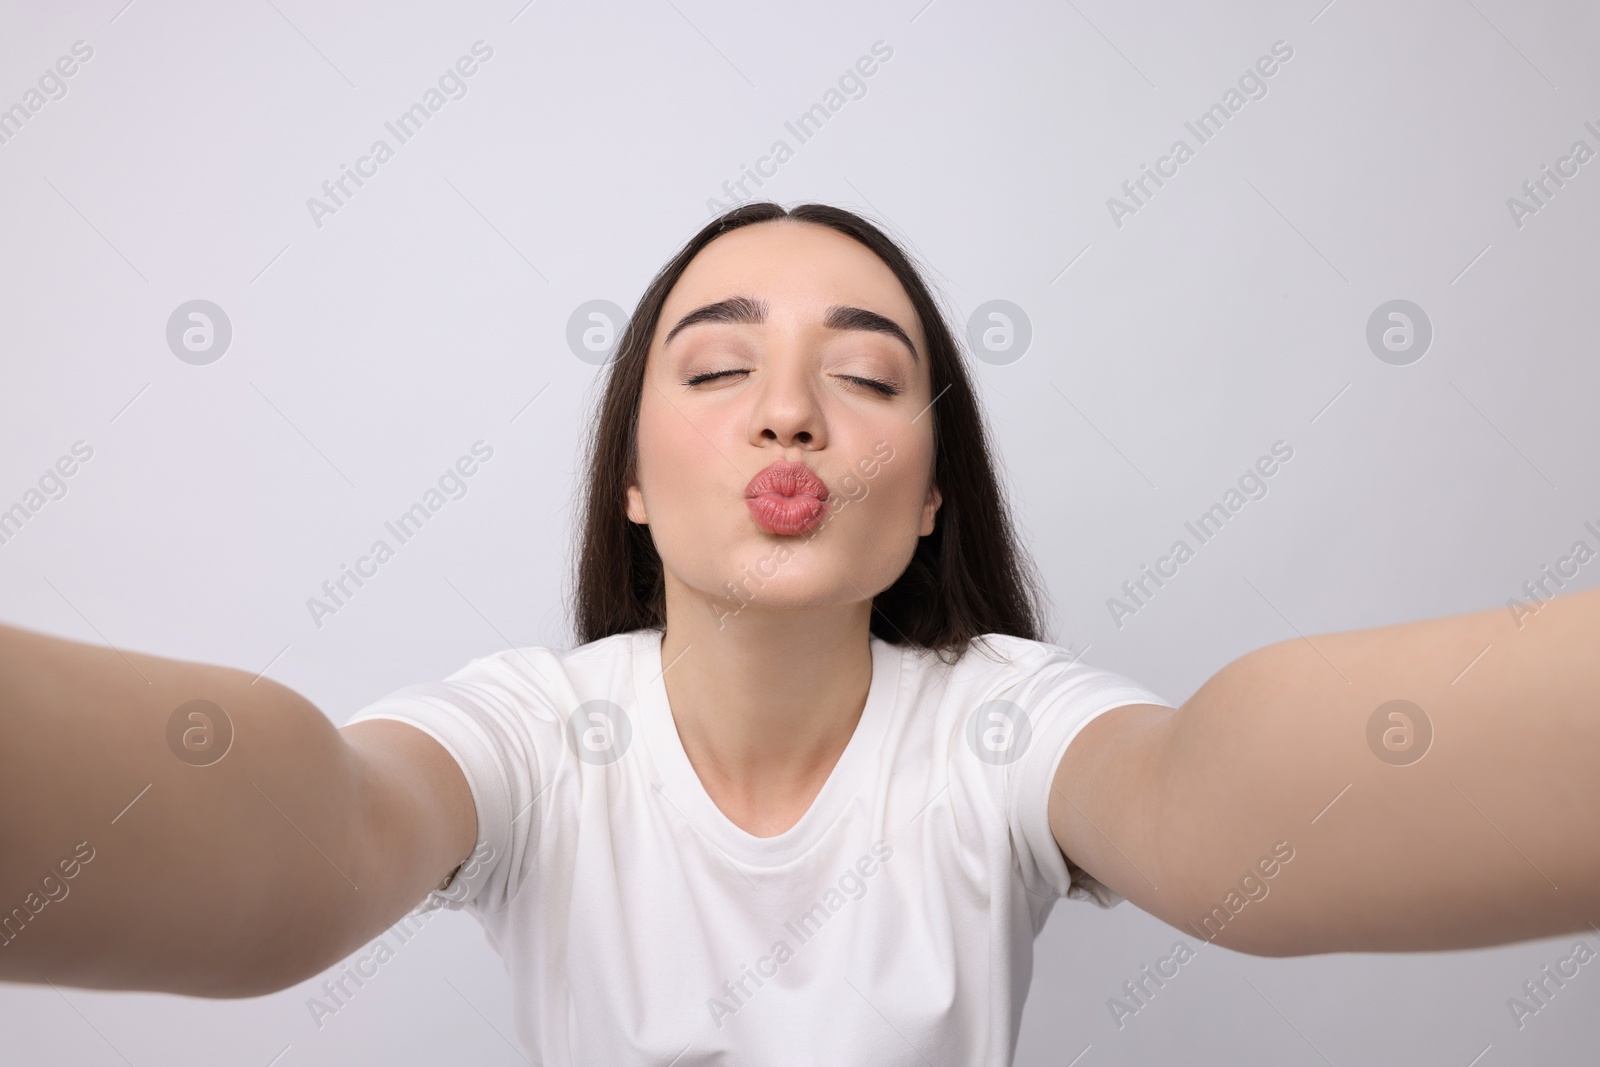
766 701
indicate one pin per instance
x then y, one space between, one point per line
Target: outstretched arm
1486 832
130 859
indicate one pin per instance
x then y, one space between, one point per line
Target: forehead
799 269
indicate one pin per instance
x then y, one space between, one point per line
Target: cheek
894 478
879 527
688 488
672 453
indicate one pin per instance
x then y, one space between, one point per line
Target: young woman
811 782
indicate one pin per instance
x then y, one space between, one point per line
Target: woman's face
795 364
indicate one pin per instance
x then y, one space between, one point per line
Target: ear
636 511
930 509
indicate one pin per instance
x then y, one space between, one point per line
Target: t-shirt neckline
687 793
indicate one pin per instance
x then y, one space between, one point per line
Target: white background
1168 353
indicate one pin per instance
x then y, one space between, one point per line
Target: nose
787 409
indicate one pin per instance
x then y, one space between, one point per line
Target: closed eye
885 388
709 375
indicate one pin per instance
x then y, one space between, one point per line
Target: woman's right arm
237 878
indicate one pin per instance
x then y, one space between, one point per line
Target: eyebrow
744 311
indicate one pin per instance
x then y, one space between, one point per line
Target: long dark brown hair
968 577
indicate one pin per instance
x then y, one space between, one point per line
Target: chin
758 581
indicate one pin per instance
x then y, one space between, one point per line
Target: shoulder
506 718
1003 665
534 671
530 689
1007 696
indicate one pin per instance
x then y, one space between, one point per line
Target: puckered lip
784 478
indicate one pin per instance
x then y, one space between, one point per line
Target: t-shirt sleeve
1060 696
507 740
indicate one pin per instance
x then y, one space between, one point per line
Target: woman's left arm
1291 807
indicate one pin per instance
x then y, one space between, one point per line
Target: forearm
1489 837
194 865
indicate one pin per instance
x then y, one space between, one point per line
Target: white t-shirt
893 924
